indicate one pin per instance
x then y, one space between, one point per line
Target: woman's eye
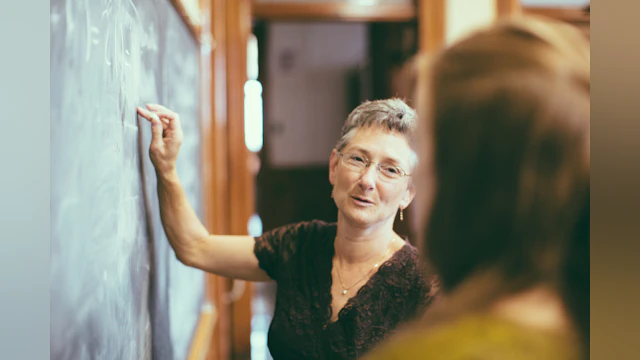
357 158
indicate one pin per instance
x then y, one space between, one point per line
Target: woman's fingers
149 115
166 135
168 116
172 118
163 111
158 107
144 113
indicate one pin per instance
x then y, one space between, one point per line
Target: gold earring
401 217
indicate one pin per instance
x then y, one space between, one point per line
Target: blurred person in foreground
341 287
508 109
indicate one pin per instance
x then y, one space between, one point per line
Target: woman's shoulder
286 247
302 228
313 226
407 271
408 261
479 337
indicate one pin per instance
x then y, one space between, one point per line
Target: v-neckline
352 301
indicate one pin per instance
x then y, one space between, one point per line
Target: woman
509 225
342 287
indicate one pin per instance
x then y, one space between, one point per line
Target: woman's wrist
168 176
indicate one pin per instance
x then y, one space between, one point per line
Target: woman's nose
369 176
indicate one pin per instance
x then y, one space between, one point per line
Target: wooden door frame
241 188
331 11
215 171
505 8
431 25
224 332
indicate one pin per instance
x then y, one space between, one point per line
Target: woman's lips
362 201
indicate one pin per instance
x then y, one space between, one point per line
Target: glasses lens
390 172
355 162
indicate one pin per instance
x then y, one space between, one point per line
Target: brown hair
390 114
510 113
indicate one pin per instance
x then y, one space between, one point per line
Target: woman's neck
540 307
358 245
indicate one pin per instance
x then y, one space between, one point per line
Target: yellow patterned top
479 337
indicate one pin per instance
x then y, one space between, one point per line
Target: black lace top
299 258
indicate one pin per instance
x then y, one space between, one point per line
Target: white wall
306 89
463 16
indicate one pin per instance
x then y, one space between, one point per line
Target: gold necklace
346 289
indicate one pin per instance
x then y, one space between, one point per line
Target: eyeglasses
358 163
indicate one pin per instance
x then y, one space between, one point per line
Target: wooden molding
202 336
334 11
215 172
431 25
505 8
203 344
192 18
241 189
573 15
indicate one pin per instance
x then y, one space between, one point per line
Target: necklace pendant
344 292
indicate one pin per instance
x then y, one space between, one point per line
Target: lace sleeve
425 287
274 249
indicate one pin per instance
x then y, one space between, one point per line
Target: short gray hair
390 114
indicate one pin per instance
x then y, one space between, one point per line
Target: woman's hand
166 137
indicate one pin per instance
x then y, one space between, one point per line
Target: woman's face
365 197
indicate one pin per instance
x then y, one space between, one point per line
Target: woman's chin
359 217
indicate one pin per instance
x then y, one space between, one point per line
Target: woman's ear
408 196
333 164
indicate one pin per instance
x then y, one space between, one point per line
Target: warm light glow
254 226
253 126
252 57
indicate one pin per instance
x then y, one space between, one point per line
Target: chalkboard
117 290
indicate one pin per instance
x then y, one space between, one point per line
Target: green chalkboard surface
117 290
